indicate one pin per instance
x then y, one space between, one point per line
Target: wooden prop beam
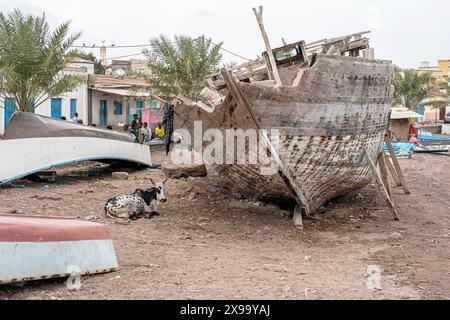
392 170
241 99
380 184
273 64
384 174
398 170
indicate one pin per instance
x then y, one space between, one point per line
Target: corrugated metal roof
404 113
101 80
128 93
124 92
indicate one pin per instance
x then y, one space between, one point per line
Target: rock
396 235
184 171
213 190
120 175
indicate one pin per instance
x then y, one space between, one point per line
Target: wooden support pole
273 64
384 174
396 164
298 219
380 184
392 170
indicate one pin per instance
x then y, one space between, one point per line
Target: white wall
44 109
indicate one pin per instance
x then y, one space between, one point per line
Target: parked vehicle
447 118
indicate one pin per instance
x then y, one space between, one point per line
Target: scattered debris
14 211
238 195
92 218
194 192
184 171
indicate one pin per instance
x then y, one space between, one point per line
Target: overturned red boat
33 248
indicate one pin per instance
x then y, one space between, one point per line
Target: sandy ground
216 247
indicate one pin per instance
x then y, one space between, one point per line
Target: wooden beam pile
351 43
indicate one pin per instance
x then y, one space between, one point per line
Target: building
65 105
114 100
101 100
439 74
136 67
401 120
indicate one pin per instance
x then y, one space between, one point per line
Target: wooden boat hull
34 143
33 248
340 108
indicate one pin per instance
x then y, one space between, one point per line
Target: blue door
103 113
9 110
73 108
56 108
139 107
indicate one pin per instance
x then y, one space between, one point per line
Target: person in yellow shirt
159 131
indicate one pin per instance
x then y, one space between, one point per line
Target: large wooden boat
332 106
33 143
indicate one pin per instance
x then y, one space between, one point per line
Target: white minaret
103 54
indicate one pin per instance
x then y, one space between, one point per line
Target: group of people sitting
142 132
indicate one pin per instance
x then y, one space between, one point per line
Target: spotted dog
137 205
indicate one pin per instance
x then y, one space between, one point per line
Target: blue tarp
401 149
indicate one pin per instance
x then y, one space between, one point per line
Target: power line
125 56
112 46
149 45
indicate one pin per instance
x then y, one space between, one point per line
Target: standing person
135 123
159 131
168 126
75 119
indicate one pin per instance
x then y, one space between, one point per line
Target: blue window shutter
73 108
118 108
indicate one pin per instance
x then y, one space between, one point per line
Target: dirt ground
217 247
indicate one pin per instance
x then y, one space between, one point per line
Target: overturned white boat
33 143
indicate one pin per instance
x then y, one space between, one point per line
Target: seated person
127 129
145 134
159 131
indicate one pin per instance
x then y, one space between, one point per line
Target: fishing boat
331 107
34 248
33 143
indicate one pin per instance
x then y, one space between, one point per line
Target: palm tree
413 88
32 59
181 66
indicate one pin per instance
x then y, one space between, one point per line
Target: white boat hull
22 157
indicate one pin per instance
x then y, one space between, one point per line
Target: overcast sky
406 32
